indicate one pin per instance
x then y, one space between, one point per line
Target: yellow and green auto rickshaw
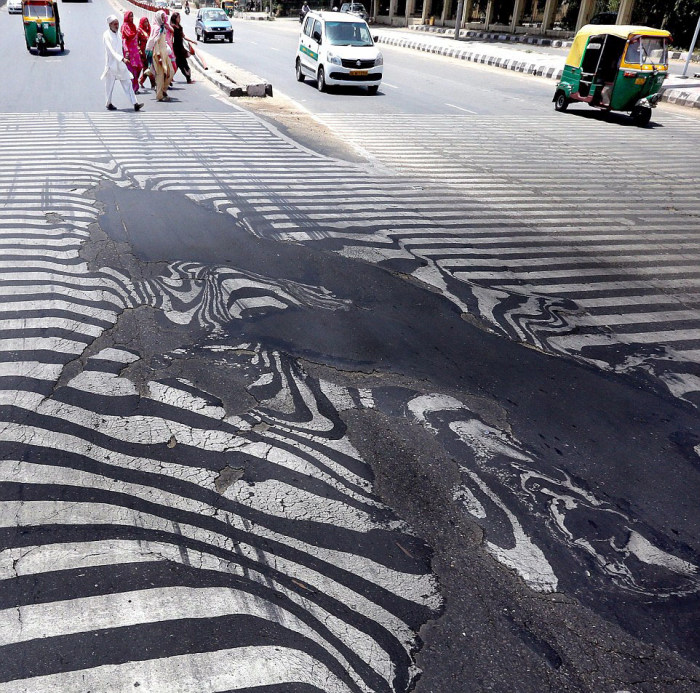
615 68
42 25
228 6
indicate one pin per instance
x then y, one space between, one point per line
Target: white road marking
243 667
459 108
391 86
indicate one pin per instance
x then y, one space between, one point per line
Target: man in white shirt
115 65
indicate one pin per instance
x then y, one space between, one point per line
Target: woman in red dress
132 54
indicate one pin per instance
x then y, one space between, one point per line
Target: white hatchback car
337 48
14 6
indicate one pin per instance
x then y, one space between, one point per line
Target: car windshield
214 16
348 34
357 8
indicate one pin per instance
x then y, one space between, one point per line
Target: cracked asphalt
395 336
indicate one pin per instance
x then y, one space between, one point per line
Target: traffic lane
70 81
458 86
445 85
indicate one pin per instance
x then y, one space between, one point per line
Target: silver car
355 8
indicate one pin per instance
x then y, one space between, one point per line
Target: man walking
115 65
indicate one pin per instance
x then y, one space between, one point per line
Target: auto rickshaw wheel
561 102
641 116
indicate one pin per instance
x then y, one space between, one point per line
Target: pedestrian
144 33
180 48
130 42
158 47
169 41
115 65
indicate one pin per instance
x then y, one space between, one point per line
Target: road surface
274 420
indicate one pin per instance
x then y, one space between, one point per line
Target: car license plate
220 35
355 73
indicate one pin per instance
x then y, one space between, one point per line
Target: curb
229 86
537 69
681 97
493 36
250 16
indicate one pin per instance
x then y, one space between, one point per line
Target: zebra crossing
148 535
149 538
572 234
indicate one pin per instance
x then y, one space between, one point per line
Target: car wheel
300 74
230 38
561 102
321 80
641 116
373 89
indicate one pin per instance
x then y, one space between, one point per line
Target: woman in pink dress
130 40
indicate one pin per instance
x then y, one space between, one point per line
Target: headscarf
144 33
156 30
160 27
129 30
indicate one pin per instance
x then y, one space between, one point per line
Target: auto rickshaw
42 25
228 6
615 68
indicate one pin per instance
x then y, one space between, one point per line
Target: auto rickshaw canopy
624 31
40 9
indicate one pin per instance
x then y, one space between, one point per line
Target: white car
176 4
337 48
14 6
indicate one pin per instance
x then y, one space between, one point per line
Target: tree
677 16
